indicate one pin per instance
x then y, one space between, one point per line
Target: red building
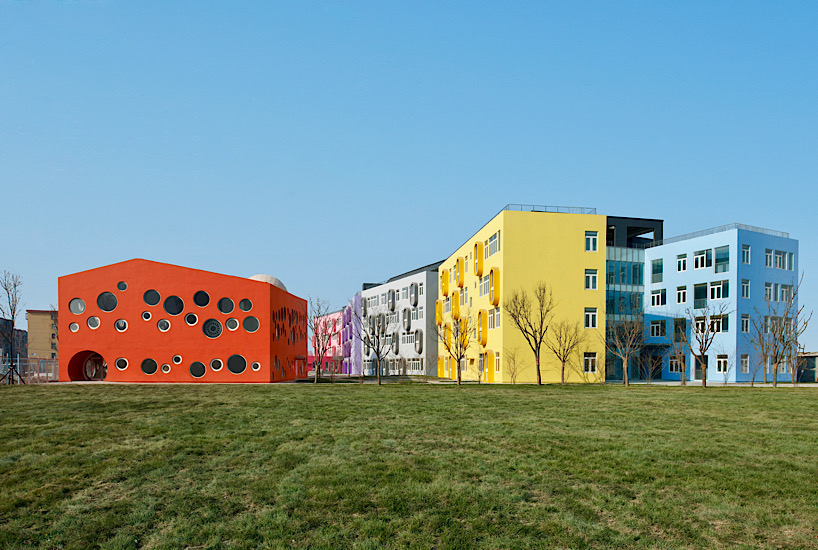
144 321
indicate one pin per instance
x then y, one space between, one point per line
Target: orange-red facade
144 321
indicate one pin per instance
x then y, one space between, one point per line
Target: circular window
106 301
232 323
93 323
151 297
149 366
76 306
226 305
250 324
255 366
174 305
212 328
236 364
245 305
177 359
197 369
122 285
165 368
201 298
163 325
191 319
146 315
73 327
216 365
121 363
121 325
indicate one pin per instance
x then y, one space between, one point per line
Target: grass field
422 466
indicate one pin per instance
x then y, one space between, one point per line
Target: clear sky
334 143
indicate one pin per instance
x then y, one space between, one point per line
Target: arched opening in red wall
87 365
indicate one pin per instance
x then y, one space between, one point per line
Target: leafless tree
532 315
322 330
564 340
376 328
455 338
624 338
725 363
10 307
678 348
55 326
514 363
705 324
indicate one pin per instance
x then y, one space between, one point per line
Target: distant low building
43 339
20 340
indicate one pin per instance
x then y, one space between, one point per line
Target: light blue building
733 269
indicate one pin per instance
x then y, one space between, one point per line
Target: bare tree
10 307
678 347
514 363
455 338
725 363
377 329
320 326
532 316
624 338
565 339
706 323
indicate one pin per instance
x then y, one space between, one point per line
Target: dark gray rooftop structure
633 232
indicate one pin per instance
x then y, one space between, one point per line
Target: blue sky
334 143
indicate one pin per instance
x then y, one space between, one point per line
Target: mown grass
418 466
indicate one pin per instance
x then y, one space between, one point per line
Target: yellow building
515 250
42 334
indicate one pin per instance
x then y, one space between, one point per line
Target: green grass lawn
414 465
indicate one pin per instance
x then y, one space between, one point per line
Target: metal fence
32 370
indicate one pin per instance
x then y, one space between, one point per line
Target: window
491 319
420 289
590 279
718 290
722 259
681 262
702 259
791 261
656 271
404 293
768 258
658 297
484 286
745 288
497 363
780 258
675 365
497 317
745 323
681 294
590 317
745 364
718 324
786 293
745 254
768 292
722 364
590 362
590 241
657 328
700 325
493 245
679 329
420 312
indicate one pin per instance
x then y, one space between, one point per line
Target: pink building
335 353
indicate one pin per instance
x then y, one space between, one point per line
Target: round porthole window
121 363
201 298
121 325
177 359
93 323
212 328
122 286
216 365
106 301
226 305
146 315
236 364
197 369
191 319
76 306
165 368
73 327
245 305
255 366
149 366
250 324
163 325
232 323
174 305
151 297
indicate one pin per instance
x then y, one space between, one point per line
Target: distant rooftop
554 209
719 229
430 267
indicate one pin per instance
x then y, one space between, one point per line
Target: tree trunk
775 375
625 378
458 373
316 367
562 373
704 374
539 378
378 361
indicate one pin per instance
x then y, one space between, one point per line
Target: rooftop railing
554 209
719 229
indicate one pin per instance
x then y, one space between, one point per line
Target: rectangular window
768 292
590 279
745 364
656 271
590 317
745 288
786 293
679 329
491 319
700 325
675 365
494 244
721 363
404 293
657 328
768 258
590 241
791 261
681 262
497 363
420 312
497 317
702 259
780 257
420 289
700 296
722 259
658 297
681 294
590 362
718 290
745 323
745 254
719 324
